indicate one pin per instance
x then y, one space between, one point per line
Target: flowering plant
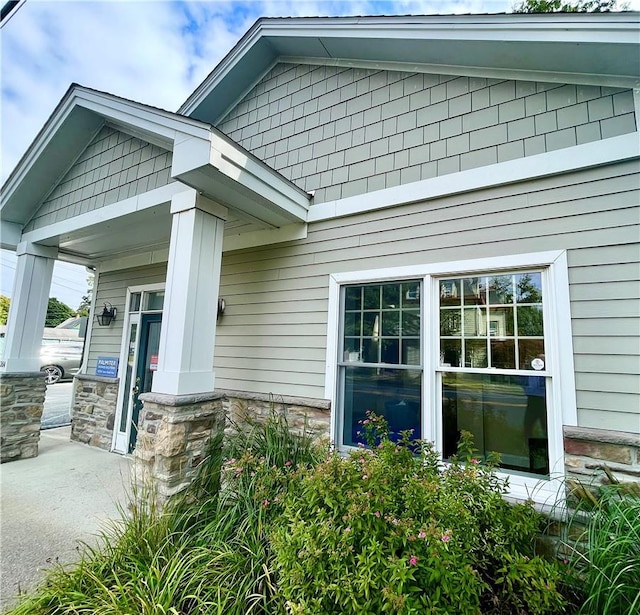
390 529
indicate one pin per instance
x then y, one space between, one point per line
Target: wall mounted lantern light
107 316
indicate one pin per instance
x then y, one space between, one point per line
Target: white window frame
558 349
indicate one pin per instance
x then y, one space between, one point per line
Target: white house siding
112 287
347 131
272 337
113 167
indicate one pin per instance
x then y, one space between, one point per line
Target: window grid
487 322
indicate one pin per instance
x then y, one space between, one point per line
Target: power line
9 10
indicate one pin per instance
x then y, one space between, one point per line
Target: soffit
568 48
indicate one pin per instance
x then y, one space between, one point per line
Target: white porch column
28 309
187 337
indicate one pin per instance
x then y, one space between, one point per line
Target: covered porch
149 200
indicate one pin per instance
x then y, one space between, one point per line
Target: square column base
175 434
22 401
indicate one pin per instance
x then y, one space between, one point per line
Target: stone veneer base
175 433
94 410
588 451
304 415
21 403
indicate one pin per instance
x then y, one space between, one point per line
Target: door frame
120 439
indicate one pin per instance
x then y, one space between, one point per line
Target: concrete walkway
51 502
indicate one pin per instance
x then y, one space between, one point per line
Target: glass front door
138 362
147 363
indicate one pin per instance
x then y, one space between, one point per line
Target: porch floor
50 503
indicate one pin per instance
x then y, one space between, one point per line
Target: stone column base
94 410
21 404
174 435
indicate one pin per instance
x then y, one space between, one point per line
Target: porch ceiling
139 232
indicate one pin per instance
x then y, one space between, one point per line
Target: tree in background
85 303
4 309
560 6
57 312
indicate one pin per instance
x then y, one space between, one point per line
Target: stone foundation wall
174 435
21 403
588 451
304 415
94 409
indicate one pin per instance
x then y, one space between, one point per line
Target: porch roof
203 159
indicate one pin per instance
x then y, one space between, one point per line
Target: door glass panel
154 301
131 351
134 302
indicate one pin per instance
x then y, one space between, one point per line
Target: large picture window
470 346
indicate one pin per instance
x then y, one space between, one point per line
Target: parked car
61 352
60 360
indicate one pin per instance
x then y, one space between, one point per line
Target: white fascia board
10 235
598 153
488 72
259 178
109 212
513 32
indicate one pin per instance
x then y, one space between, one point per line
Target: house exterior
433 218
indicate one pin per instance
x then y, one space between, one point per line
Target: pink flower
394 521
446 538
347 530
475 461
422 535
413 560
288 463
377 514
265 503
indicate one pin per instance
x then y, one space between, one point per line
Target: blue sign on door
107 366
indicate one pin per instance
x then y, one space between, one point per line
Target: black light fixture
107 316
221 307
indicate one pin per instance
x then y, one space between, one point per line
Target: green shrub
605 560
389 530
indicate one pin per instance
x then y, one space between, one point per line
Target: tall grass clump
605 551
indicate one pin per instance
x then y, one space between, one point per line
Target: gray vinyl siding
112 287
347 131
272 337
113 167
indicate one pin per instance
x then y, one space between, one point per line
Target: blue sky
151 51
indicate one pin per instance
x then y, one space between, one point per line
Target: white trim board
607 151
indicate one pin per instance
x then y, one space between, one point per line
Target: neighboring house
433 218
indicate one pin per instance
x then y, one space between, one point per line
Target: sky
152 51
